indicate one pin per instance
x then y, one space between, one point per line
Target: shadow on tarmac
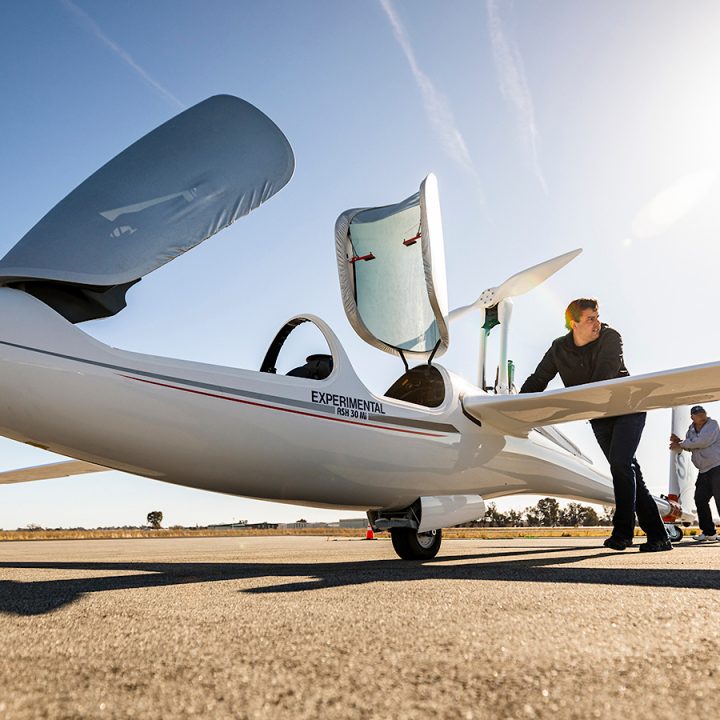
44 596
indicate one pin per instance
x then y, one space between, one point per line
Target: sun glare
673 203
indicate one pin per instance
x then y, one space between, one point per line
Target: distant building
244 526
353 523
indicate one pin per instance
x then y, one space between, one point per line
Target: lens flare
673 203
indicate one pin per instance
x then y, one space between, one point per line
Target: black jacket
602 359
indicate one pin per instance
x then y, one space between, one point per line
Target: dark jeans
619 437
707 485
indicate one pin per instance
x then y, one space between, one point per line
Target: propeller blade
461 311
517 284
526 280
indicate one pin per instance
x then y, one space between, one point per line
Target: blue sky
550 125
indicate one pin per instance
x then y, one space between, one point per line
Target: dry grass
450 533
165 533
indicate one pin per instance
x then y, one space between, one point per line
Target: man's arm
544 373
709 433
610 357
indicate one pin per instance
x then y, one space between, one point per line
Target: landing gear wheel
675 533
411 545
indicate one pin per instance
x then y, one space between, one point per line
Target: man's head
582 317
698 415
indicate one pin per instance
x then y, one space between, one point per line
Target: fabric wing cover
166 193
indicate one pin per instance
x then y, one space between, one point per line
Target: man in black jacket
592 352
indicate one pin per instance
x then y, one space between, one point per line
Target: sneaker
656 546
702 537
616 543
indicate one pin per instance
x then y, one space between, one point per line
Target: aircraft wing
518 414
53 470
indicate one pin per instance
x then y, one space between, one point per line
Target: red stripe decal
279 409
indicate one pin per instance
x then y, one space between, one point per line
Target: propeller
500 299
517 284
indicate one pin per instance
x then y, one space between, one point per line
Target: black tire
411 545
675 533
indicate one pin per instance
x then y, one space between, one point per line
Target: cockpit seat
316 367
421 385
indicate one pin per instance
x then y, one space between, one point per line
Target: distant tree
154 518
302 521
532 516
607 515
573 514
514 518
548 511
591 518
494 517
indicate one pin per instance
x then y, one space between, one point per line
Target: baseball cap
695 409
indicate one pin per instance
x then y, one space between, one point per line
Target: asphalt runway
313 627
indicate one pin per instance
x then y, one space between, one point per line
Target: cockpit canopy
391 264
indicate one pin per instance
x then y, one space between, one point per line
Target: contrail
436 106
513 84
95 29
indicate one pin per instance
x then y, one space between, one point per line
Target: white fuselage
326 443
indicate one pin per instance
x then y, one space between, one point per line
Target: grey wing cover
166 193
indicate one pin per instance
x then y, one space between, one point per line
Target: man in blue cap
703 441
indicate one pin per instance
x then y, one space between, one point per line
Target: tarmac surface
314 627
